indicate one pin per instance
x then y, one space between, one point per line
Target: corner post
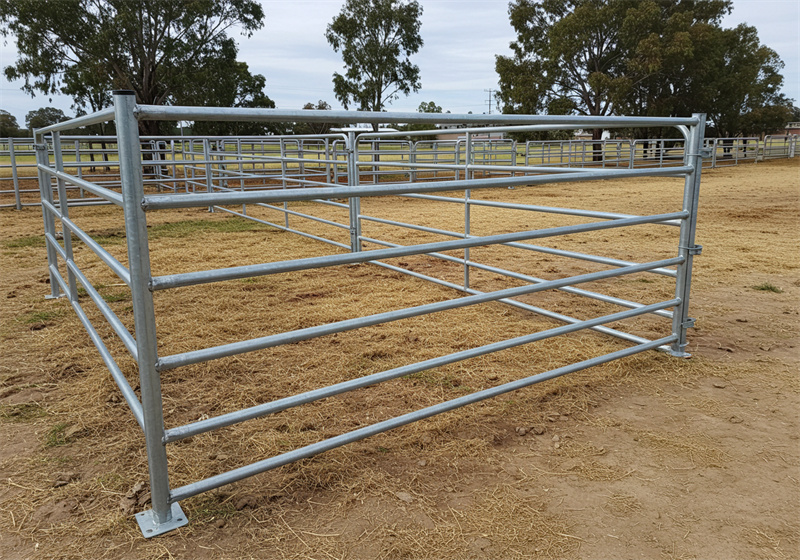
692 157
162 517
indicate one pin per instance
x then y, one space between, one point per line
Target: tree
566 59
429 107
424 107
224 82
45 116
638 57
743 85
151 47
376 39
8 125
314 128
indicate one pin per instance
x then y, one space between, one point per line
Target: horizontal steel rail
530 207
258 411
235 475
225 350
172 113
532 279
105 194
116 373
160 202
239 272
117 267
283 228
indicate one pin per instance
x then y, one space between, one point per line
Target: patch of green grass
40 316
121 296
30 241
767 287
445 381
211 507
22 412
56 436
191 227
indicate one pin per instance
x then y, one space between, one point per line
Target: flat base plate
150 528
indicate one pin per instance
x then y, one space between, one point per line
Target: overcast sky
461 39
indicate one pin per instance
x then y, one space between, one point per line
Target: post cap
123 92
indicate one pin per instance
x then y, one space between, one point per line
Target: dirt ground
647 457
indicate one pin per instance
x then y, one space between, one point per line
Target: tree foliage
45 116
314 128
567 57
639 57
429 107
376 39
9 126
156 48
743 85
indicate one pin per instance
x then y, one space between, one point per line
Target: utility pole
490 92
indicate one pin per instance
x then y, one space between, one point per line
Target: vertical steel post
209 178
162 517
354 202
14 177
241 170
78 163
412 160
467 220
173 173
46 192
632 160
284 171
692 157
63 206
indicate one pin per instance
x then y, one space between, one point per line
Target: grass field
650 457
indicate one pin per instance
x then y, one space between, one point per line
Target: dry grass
436 489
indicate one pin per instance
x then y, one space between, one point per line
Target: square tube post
692 156
162 517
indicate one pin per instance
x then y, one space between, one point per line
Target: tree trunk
597 147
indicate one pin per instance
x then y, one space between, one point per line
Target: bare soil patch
648 457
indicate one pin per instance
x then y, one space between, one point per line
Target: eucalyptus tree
639 57
9 126
376 39
81 47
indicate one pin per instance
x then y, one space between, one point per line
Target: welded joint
689 323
